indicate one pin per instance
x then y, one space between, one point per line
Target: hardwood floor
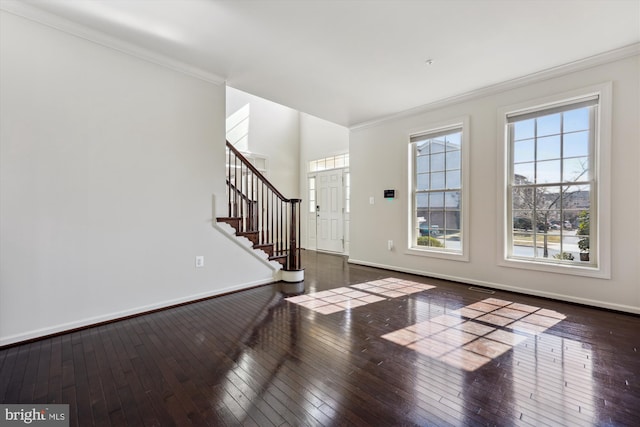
380 348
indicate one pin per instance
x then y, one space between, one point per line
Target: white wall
109 166
379 160
274 133
318 139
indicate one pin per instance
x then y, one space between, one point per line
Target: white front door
330 212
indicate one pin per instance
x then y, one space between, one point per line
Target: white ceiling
350 62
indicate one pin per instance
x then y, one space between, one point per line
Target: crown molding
40 16
550 73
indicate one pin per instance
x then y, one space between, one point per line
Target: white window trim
463 123
603 181
334 156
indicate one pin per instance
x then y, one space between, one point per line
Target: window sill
441 254
587 270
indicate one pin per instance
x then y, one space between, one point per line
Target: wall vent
485 291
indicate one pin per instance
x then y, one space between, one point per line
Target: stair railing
263 211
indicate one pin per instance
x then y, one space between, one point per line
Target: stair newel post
294 228
299 260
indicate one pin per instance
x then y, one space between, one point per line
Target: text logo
34 415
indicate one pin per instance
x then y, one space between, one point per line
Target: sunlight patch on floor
473 335
339 299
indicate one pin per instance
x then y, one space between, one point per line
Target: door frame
312 217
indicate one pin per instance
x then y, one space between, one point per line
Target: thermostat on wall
389 194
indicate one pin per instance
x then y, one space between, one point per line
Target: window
333 162
312 194
257 160
552 214
437 210
347 192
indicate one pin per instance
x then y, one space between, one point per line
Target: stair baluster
261 213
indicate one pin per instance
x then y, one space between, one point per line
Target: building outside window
437 208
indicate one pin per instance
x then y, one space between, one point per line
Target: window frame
461 124
600 177
320 165
311 193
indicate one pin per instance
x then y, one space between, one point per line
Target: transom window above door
333 162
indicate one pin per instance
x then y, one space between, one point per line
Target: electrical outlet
390 245
199 261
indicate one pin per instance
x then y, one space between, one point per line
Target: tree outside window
551 185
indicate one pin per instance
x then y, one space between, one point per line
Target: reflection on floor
466 338
334 300
471 336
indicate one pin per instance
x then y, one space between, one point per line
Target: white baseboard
43 332
501 286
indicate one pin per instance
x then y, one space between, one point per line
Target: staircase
258 212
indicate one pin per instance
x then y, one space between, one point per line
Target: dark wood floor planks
252 358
